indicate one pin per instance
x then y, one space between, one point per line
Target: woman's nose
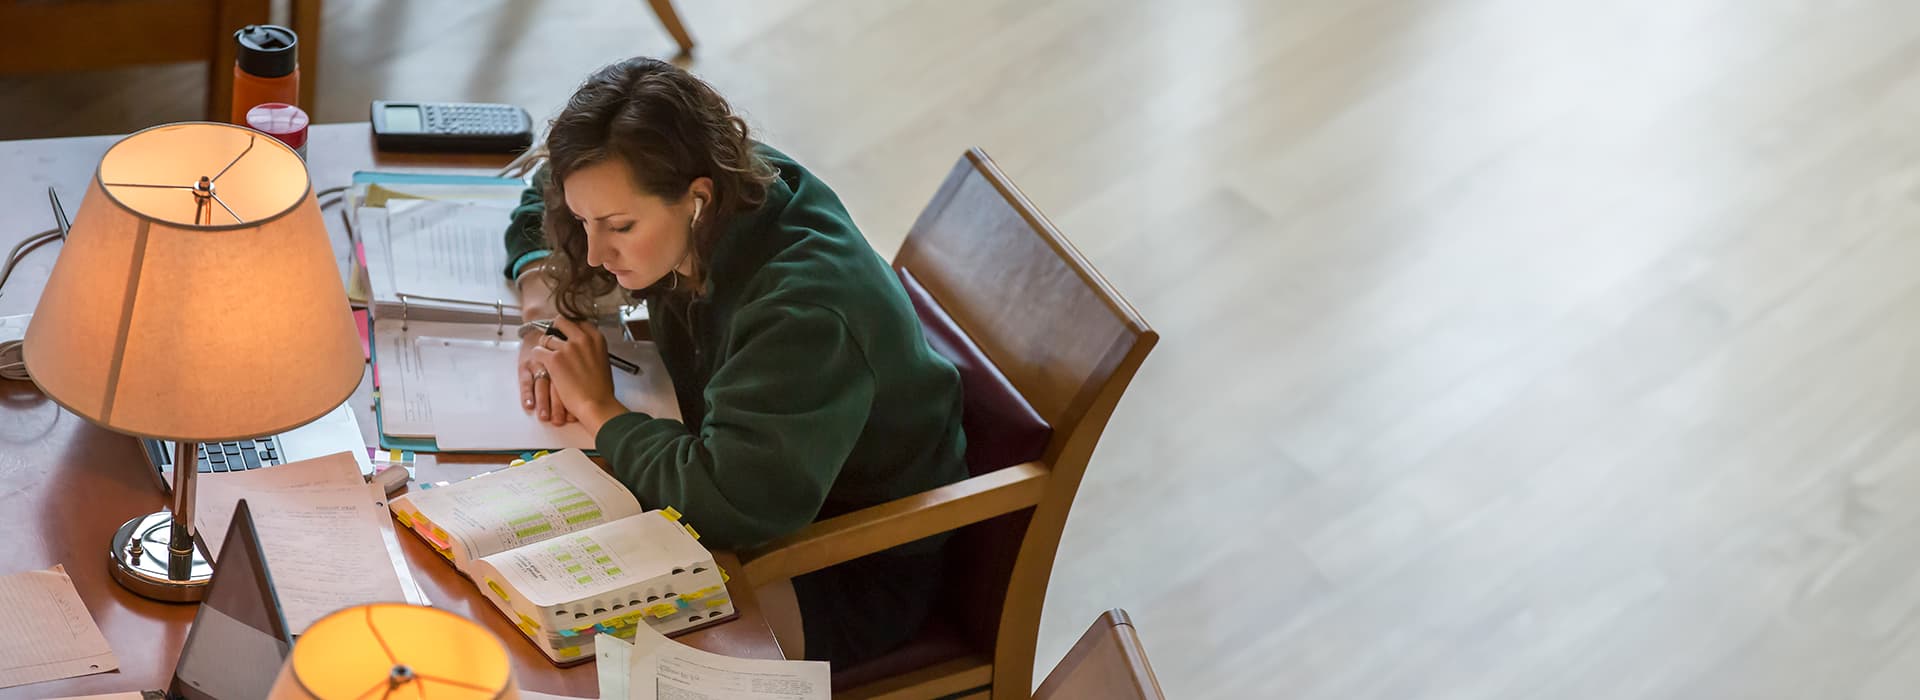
597 249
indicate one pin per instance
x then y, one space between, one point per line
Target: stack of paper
324 530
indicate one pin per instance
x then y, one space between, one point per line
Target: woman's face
634 235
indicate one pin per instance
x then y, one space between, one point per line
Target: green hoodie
807 390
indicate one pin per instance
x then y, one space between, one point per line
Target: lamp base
141 562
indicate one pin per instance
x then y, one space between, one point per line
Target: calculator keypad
474 119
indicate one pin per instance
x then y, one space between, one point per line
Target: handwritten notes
45 631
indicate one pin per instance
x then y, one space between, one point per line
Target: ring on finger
539 374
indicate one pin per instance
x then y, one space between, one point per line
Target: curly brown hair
669 128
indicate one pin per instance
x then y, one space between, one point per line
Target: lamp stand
154 555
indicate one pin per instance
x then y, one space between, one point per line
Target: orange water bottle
265 69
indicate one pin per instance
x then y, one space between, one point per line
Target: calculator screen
403 118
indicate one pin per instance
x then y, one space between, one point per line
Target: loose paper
45 631
652 667
474 388
321 528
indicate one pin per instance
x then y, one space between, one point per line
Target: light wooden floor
1513 348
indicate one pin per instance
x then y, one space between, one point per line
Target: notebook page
46 631
558 494
474 386
406 406
449 249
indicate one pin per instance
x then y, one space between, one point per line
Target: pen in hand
622 363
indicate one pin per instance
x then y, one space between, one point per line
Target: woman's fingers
526 386
588 333
559 407
542 391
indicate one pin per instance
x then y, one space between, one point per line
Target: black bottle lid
267 50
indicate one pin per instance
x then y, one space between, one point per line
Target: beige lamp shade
196 297
360 652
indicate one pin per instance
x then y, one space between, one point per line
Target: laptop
335 432
239 639
338 431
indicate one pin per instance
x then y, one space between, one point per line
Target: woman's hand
578 373
536 388
537 394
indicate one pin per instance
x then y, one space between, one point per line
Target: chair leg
670 18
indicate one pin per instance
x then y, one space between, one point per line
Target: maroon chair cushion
1002 428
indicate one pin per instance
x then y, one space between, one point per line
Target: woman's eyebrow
602 218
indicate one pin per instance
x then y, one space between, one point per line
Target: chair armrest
862 532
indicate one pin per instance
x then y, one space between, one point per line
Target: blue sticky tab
567 633
682 602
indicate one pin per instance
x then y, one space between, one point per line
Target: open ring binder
499 309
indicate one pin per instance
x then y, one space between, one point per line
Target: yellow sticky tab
403 517
723 575
539 454
393 456
702 593
497 590
670 513
567 652
717 602
516 462
528 629
690 530
661 610
527 620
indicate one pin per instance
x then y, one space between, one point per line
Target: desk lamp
394 650
195 300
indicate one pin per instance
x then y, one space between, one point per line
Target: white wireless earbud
695 223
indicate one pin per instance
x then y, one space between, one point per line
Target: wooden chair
1046 347
39 36
1107 663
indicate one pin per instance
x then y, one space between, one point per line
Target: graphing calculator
457 127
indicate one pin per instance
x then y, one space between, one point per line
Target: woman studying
802 377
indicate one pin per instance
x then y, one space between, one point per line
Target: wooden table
65 485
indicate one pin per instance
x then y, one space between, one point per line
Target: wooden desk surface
65 485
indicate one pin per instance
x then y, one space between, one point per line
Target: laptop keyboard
235 456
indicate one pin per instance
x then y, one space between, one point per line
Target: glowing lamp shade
398 651
196 297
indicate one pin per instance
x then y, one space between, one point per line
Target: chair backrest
1107 663
1051 327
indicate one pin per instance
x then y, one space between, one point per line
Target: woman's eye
623 228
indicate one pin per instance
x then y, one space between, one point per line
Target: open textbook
565 552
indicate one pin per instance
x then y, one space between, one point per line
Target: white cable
13 364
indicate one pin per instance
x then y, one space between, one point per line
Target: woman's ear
701 190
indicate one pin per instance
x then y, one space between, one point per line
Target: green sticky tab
584 517
573 569
602 560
